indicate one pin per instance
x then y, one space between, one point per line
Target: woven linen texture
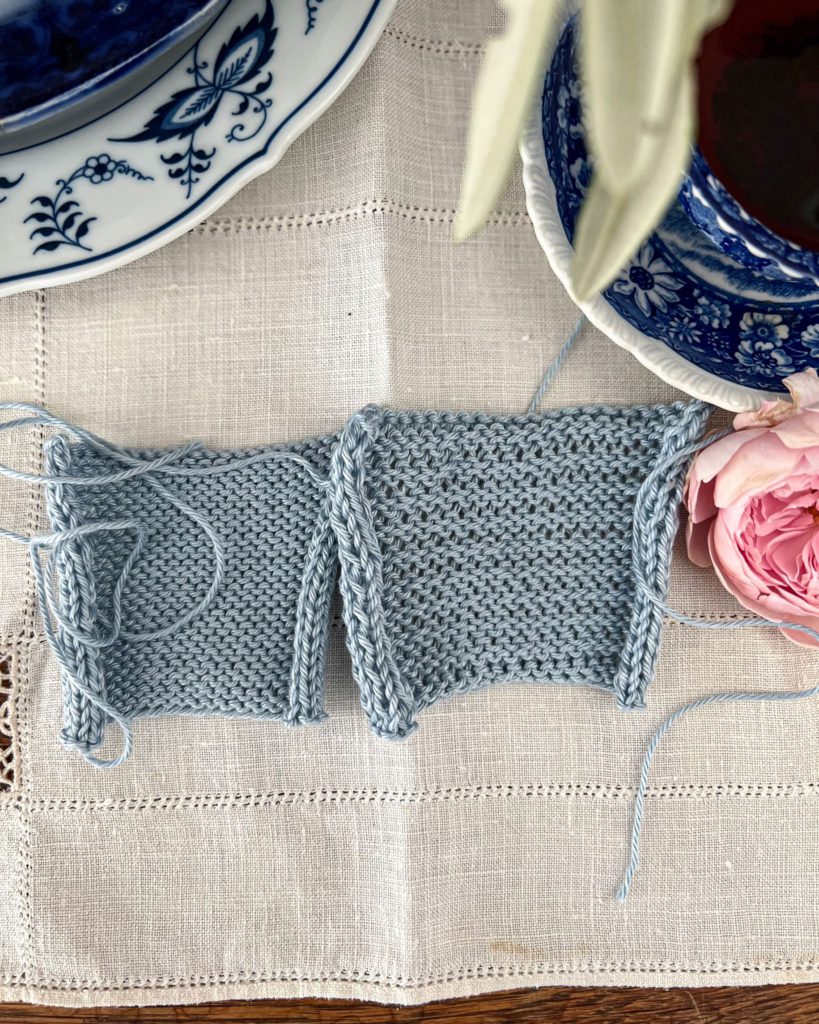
478 549
257 651
233 859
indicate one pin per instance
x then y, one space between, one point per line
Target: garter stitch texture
257 650
478 549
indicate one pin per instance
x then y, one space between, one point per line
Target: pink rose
753 503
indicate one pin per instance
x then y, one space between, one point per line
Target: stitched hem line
443 47
367 208
375 978
669 791
38 434
20 665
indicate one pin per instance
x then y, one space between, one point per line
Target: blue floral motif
764 328
649 281
312 13
569 115
236 70
762 335
682 290
684 330
9 183
712 312
810 337
61 220
736 232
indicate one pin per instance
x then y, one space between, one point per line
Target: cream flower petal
804 388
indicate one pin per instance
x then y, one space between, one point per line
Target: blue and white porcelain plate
698 318
129 182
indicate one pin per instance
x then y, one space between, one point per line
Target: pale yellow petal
612 224
512 69
637 60
634 54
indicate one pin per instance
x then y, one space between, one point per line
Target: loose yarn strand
162 464
56 624
642 518
61 654
714 698
554 366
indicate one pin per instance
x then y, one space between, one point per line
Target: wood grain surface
782 1004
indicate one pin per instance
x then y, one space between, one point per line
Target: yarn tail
643 583
715 698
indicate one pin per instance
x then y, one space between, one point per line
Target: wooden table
782 1004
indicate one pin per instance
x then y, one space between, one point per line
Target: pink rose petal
699 498
800 431
761 596
767 415
802 639
755 468
712 459
753 501
696 542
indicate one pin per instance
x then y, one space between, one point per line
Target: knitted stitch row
478 549
256 651
474 549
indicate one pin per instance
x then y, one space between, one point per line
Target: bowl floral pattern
737 233
723 318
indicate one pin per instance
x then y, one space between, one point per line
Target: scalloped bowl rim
541 203
297 122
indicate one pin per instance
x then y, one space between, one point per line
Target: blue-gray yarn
477 549
184 581
553 367
645 524
739 697
474 549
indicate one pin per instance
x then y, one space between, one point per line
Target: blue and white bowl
737 233
65 62
692 313
132 180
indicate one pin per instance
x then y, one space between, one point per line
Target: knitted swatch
478 549
473 550
257 647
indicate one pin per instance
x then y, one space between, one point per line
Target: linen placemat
236 859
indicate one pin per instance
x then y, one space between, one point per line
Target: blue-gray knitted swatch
477 549
473 549
256 650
